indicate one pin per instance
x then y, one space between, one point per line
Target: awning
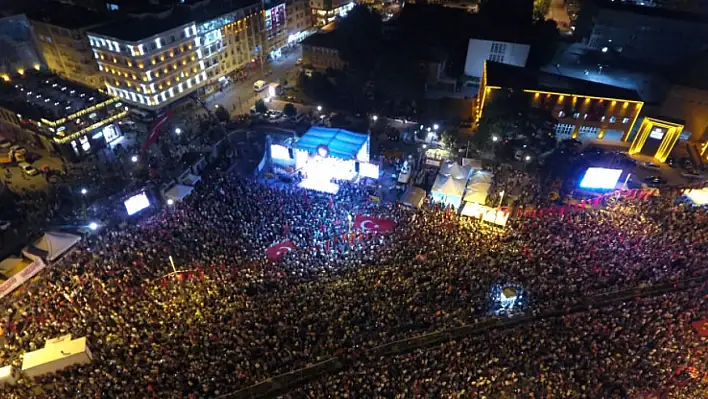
51 246
178 192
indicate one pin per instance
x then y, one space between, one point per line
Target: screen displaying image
279 152
136 203
601 178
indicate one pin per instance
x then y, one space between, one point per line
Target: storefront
656 137
91 142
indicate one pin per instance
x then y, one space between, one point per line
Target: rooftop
66 16
509 76
322 39
147 25
340 143
657 12
41 95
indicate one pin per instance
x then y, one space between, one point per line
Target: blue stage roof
341 143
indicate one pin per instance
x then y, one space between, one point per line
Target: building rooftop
322 39
510 76
133 28
657 12
66 16
41 95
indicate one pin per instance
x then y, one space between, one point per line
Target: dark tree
289 110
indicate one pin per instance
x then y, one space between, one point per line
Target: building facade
655 36
479 51
18 51
176 55
61 37
584 110
325 11
319 52
59 115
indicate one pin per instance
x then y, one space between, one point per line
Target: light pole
172 262
134 158
501 198
349 218
84 191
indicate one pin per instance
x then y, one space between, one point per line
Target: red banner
277 251
155 131
368 223
702 327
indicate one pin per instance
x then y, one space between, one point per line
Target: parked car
28 169
654 181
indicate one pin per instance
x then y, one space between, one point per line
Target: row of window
498 48
576 115
496 57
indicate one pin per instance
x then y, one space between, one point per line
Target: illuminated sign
657 133
136 203
369 170
278 151
601 178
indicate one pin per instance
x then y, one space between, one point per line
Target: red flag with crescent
277 251
702 327
368 223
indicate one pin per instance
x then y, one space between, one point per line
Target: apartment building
325 11
155 60
18 51
60 34
299 20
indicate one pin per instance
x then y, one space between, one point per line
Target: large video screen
136 203
601 178
369 170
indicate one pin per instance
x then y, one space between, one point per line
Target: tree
261 107
289 110
221 113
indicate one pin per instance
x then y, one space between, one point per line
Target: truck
275 90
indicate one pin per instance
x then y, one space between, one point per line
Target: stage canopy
697 196
448 190
455 170
51 246
340 143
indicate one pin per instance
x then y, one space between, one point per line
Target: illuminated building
59 115
656 137
325 11
17 46
655 35
479 50
60 33
154 60
299 20
584 110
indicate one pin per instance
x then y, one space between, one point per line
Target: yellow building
60 33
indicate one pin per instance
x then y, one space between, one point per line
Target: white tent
455 170
478 187
57 354
51 246
697 196
448 190
178 192
8 375
10 263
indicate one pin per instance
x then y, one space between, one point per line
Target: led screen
369 170
657 133
136 203
277 151
601 178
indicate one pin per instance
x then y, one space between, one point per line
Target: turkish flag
155 131
702 327
368 223
277 251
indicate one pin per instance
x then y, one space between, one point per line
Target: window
576 115
625 120
112 7
613 119
561 114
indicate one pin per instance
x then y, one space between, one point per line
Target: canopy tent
478 187
57 354
455 170
413 197
697 196
178 192
338 143
448 190
51 246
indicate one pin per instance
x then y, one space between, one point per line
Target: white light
157 43
527 158
604 49
319 108
495 139
436 126
170 201
84 191
134 158
375 118
178 131
93 225
601 178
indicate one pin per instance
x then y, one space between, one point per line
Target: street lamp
528 158
375 118
178 131
84 191
134 158
436 126
170 201
319 108
604 49
93 225
495 139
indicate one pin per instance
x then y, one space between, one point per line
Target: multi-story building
17 46
62 116
299 20
319 52
155 60
60 33
478 51
652 35
275 22
325 11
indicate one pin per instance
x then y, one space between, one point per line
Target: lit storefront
656 138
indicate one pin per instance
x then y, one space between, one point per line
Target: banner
18 279
277 251
155 131
701 327
368 223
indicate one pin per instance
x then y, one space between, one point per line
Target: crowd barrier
281 383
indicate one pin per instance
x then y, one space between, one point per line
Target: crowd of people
235 317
